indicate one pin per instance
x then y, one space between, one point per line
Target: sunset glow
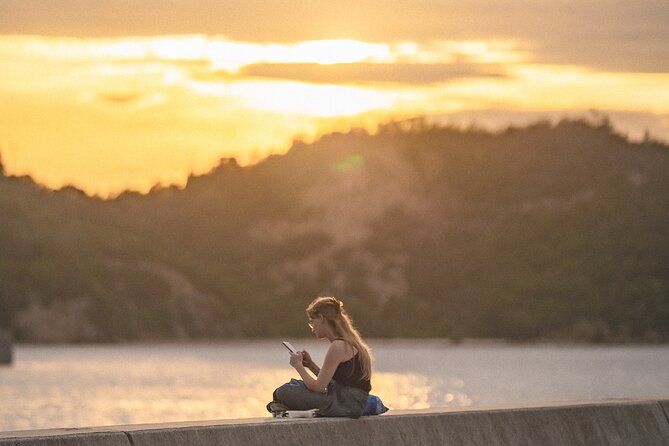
110 113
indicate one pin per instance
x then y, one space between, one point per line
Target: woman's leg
296 396
344 401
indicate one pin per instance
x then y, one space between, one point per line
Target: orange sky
124 95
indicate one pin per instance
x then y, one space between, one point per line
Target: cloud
614 35
374 73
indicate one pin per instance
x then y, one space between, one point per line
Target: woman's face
316 324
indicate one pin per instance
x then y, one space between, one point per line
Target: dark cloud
632 56
367 72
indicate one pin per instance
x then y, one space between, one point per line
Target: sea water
98 385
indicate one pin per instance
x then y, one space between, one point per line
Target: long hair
336 316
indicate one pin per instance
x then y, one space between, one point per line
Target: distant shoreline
469 342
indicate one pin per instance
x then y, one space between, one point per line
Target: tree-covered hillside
549 231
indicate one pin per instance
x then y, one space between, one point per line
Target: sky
127 94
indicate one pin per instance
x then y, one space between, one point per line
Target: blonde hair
332 309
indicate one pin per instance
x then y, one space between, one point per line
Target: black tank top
349 373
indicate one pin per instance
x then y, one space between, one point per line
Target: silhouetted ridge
547 231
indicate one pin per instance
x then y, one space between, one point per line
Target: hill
548 231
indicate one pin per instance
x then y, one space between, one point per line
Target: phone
289 346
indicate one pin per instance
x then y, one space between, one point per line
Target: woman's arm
309 363
314 368
336 354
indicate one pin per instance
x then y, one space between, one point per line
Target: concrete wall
628 423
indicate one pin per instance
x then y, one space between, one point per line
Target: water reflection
99 395
414 391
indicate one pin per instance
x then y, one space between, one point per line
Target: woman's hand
306 358
296 359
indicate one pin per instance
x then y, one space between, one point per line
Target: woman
341 387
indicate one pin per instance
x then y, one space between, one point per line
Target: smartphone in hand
289 346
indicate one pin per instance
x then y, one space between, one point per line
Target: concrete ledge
596 423
66 437
665 406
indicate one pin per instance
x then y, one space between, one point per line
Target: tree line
550 231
